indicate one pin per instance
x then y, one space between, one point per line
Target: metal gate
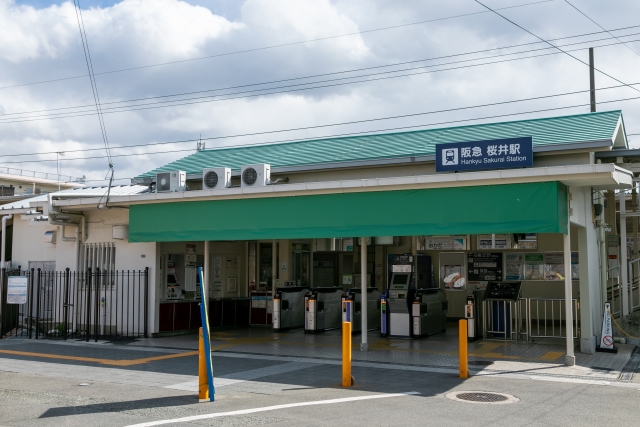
93 304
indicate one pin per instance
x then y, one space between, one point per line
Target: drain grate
482 397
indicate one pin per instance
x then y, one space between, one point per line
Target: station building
334 213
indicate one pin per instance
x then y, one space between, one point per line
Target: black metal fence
80 305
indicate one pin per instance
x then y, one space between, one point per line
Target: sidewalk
544 357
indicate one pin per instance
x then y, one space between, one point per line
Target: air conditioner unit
168 182
216 178
255 175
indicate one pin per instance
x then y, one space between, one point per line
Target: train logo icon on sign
450 156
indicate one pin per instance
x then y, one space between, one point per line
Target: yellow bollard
347 379
203 383
462 344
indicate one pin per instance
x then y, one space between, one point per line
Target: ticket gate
473 314
400 298
289 308
354 315
429 312
322 309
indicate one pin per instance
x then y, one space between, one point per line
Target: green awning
513 208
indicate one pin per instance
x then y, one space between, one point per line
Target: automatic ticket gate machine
352 308
289 307
473 314
322 309
429 312
401 294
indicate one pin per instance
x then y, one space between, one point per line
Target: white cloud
43 44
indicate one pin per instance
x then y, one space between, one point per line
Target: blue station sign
490 154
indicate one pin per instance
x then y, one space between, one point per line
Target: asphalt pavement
52 384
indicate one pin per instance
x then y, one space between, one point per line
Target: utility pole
592 81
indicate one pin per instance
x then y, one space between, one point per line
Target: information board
553 266
534 266
514 268
488 154
17 290
484 266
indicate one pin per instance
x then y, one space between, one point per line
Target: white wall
28 241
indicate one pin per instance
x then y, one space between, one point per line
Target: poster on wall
553 266
575 266
534 266
347 245
453 275
484 266
526 241
514 269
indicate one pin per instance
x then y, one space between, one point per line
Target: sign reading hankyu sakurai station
490 154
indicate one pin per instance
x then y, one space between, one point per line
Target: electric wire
356 69
353 133
552 45
601 27
228 97
128 107
448 110
277 46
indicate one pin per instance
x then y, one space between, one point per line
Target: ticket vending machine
322 309
353 312
288 308
401 295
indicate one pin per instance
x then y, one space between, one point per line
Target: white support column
364 346
570 358
206 268
274 266
624 278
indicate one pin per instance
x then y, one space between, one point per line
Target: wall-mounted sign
442 243
489 154
17 290
485 266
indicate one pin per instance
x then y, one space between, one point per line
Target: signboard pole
205 336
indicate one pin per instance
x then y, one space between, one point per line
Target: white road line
271 408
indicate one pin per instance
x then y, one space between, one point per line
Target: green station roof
545 132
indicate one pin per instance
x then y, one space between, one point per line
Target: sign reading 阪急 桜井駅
490 154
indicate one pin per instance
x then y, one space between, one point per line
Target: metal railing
43 175
547 317
634 285
528 318
505 320
92 304
613 291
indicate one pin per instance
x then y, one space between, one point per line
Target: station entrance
503 255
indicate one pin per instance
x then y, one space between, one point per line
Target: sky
169 70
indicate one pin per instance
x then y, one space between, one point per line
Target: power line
350 133
552 45
328 74
331 124
94 87
601 27
149 106
276 46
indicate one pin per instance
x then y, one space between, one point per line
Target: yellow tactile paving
97 360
